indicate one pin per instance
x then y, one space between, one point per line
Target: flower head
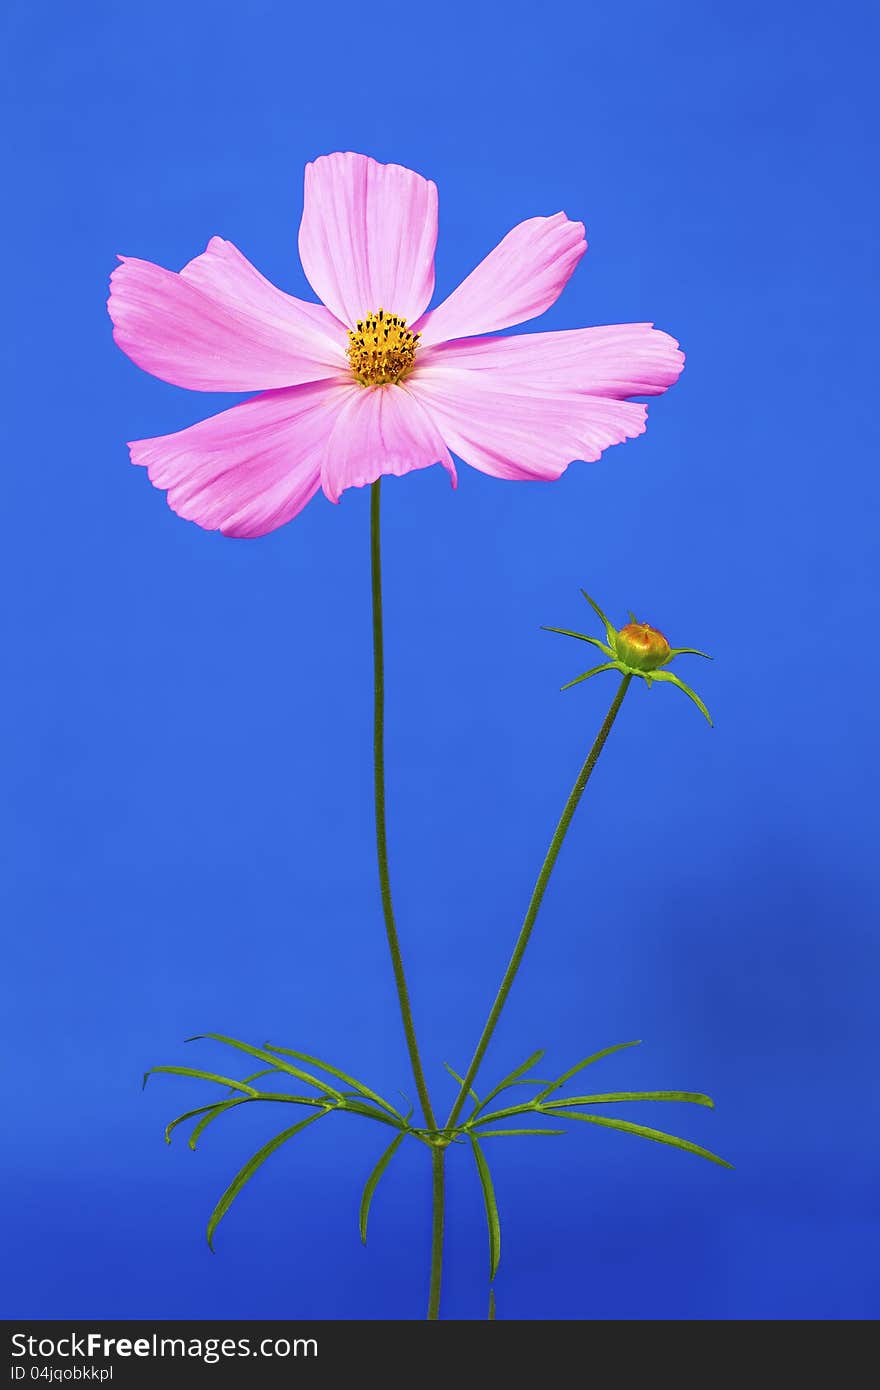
370 381
638 649
642 647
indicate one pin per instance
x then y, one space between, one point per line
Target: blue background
187 826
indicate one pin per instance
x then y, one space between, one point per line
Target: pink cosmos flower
367 382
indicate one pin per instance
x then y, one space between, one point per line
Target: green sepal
691 694
610 629
582 636
594 671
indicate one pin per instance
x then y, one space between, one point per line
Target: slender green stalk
381 830
438 1157
543 879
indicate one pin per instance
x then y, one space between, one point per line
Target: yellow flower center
381 350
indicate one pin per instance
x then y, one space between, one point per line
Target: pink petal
501 425
618 360
220 326
250 469
367 236
379 430
522 277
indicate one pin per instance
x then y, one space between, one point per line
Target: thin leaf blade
587 1062
511 1079
689 1097
506 1114
244 1174
373 1182
506 1133
492 1219
188 1115
659 1136
195 1074
340 1075
216 1112
460 1079
276 1062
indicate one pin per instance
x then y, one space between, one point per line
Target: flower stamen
381 350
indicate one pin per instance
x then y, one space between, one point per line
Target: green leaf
504 1133
460 1079
265 1056
491 1317
285 1096
657 1135
358 1107
255 1075
188 1116
594 671
491 1207
529 1108
245 1174
217 1107
582 637
216 1112
203 1076
610 629
510 1080
692 1097
373 1182
587 1062
334 1071
673 679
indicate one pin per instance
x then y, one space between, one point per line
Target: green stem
537 897
381 831
438 1156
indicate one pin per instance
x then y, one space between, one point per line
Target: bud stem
537 897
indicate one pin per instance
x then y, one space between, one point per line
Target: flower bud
642 647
